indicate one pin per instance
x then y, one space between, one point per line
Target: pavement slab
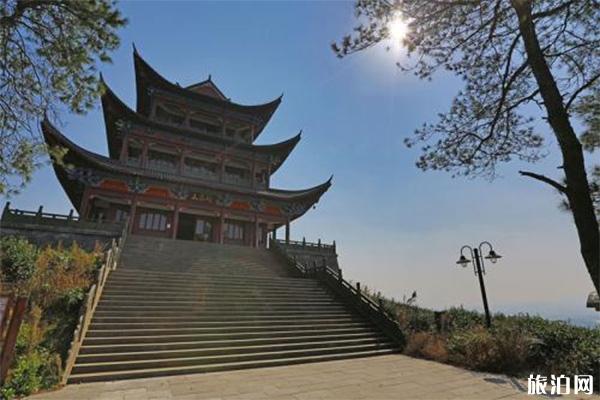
394 376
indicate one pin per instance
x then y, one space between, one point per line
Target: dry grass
427 345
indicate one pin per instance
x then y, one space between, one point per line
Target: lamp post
479 269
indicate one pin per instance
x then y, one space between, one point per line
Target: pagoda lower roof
116 111
147 78
79 157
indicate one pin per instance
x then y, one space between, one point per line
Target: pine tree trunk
577 186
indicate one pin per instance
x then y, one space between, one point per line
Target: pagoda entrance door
195 227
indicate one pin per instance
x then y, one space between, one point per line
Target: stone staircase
176 307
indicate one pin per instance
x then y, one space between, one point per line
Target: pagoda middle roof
147 78
115 111
79 157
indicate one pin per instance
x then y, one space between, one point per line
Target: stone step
220 279
108 340
218 307
307 285
201 301
225 366
179 274
232 314
159 291
94 331
227 350
200 344
224 324
225 358
220 297
214 318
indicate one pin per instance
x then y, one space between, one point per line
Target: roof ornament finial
210 77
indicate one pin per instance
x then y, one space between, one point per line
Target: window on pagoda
205 126
121 215
245 135
149 221
261 178
233 231
169 114
200 168
235 175
162 161
134 154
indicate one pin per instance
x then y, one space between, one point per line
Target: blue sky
398 229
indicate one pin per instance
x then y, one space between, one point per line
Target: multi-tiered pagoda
183 165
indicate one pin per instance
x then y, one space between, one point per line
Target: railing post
358 287
319 242
334 246
303 241
380 302
340 277
39 213
70 215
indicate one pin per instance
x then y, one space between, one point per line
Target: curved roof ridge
318 188
53 136
264 110
285 147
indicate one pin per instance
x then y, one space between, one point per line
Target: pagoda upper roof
205 92
77 156
115 111
209 88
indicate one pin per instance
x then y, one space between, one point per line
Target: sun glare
397 28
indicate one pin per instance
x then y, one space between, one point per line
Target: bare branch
545 179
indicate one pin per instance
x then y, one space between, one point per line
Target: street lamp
479 269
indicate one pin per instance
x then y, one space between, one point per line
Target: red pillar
175 225
221 223
124 149
144 154
84 206
256 231
132 214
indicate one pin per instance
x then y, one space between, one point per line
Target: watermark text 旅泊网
560 384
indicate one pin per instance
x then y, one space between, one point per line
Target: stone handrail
307 245
91 301
40 217
364 304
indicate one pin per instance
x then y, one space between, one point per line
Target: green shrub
31 372
515 345
55 280
18 259
562 347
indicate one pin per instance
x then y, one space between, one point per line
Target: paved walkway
394 377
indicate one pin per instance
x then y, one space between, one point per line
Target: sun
397 28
